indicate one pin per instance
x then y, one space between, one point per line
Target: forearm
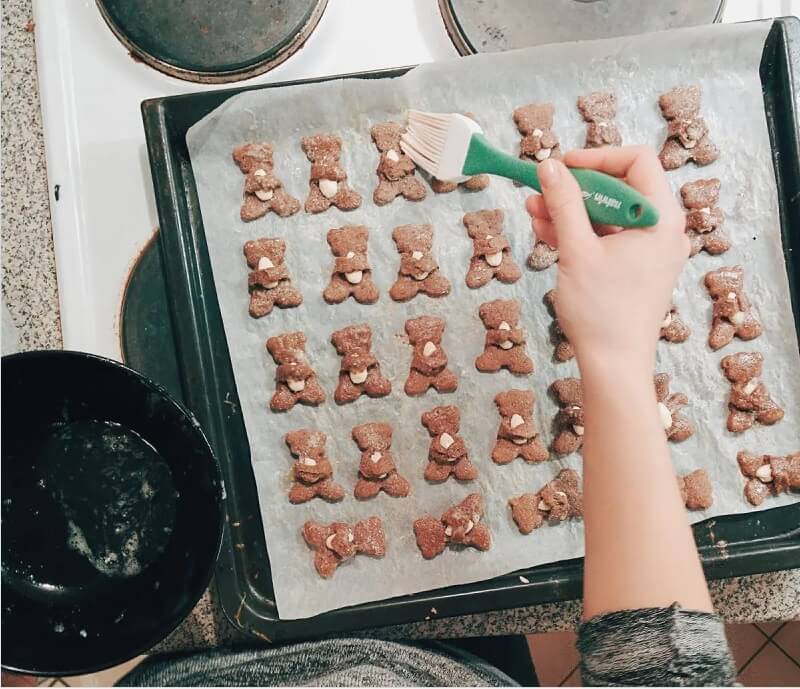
640 551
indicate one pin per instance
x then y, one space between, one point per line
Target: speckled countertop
30 291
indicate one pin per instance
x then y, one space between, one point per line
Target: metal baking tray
729 546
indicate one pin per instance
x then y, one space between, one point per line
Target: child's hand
614 287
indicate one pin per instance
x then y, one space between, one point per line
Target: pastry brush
452 148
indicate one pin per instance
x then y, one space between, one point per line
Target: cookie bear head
445 419
502 314
264 253
425 329
386 136
347 240
529 118
516 410
308 446
322 148
373 436
598 107
252 157
680 103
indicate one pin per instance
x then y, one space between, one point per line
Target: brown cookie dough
269 282
673 329
263 191
676 425
395 169
695 488
476 183
504 346
598 110
687 133
312 472
517 435
491 251
327 183
460 525
448 454
543 255
569 420
337 542
360 372
563 348
419 271
429 360
732 314
535 123
749 402
768 475
295 380
352 276
377 471
704 218
557 501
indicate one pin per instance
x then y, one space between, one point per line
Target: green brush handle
609 201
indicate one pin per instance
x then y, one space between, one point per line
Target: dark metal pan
732 545
112 505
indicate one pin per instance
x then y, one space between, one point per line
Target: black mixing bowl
111 513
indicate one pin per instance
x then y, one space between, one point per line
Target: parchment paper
722 59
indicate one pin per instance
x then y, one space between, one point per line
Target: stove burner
482 26
211 41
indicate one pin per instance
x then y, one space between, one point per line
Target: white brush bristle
438 143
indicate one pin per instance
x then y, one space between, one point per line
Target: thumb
564 202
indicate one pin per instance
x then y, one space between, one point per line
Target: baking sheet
723 59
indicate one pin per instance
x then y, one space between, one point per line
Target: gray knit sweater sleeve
651 647
655 647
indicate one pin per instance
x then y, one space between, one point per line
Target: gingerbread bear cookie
475 183
448 454
517 435
543 255
673 329
491 251
535 123
732 314
419 271
295 380
569 420
263 191
695 489
352 276
377 471
360 372
676 425
557 501
563 349
395 169
598 110
429 360
312 472
335 543
768 475
269 283
327 183
687 133
749 402
504 346
460 525
704 218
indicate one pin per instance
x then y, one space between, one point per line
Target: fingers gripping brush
452 148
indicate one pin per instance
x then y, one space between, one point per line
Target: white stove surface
91 90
